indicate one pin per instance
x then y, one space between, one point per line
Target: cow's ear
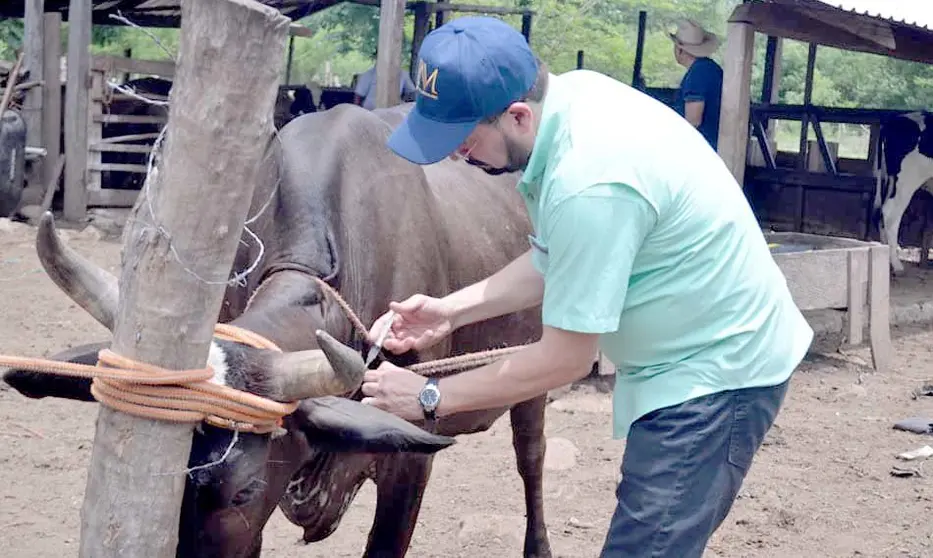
36 385
339 425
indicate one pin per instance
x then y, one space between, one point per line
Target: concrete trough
826 272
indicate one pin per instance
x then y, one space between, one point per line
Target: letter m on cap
427 82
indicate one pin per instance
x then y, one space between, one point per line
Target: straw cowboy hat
694 39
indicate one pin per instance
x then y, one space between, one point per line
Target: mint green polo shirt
644 237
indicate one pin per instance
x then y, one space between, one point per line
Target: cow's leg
891 213
529 443
400 484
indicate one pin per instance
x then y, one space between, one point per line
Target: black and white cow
905 164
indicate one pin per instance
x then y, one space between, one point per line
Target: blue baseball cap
468 69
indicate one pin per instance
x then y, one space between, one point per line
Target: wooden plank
111 197
51 96
120 148
388 61
130 119
95 132
879 311
76 109
33 63
118 64
440 7
120 167
129 137
110 97
858 294
736 91
229 68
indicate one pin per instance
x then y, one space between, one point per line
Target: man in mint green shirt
644 247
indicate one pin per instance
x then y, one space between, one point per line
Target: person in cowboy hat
699 95
643 245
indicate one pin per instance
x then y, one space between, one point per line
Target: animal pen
818 204
90 102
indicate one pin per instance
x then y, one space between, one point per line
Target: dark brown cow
378 229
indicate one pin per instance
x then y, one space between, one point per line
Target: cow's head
227 495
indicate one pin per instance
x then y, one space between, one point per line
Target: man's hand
420 322
394 390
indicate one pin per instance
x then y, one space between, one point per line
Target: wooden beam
110 64
32 62
229 68
388 61
76 109
442 6
51 96
736 91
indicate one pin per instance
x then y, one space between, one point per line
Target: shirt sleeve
696 83
362 84
592 240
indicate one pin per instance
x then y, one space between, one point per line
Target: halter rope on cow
149 391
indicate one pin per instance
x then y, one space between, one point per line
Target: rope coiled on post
149 391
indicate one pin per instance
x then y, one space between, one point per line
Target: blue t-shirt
703 82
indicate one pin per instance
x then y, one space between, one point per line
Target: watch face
429 397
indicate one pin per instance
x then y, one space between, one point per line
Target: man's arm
592 246
693 112
515 287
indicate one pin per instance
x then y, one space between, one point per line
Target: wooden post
736 90
51 95
291 57
639 49
32 61
226 81
388 62
76 107
440 15
526 26
419 33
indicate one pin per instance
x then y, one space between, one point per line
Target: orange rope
149 391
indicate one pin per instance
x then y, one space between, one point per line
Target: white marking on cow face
217 360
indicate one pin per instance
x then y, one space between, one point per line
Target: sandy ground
821 486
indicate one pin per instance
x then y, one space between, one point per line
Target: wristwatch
429 397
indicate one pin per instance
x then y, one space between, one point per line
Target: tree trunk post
388 61
220 115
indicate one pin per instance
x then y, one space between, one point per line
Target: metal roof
917 13
157 13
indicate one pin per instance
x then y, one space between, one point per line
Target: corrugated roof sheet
157 13
918 13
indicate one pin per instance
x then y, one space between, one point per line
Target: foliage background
345 38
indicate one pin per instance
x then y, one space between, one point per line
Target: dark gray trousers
682 469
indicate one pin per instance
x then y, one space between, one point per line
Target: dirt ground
821 486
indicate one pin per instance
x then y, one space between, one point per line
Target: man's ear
338 424
521 116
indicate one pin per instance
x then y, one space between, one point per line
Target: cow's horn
91 287
316 373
